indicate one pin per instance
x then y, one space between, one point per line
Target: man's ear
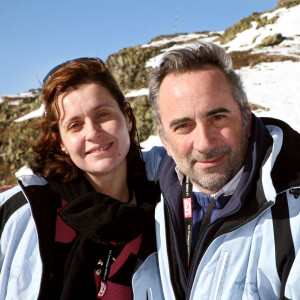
164 141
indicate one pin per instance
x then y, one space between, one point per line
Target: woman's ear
62 147
129 123
128 110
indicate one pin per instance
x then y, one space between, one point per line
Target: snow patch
136 93
34 114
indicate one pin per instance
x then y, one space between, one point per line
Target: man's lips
99 149
211 162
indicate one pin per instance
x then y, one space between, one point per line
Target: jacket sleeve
19 274
10 203
292 288
154 160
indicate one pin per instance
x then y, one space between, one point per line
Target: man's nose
203 138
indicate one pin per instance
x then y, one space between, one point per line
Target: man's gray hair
195 58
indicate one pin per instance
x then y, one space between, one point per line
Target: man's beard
214 178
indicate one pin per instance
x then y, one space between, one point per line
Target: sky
36 35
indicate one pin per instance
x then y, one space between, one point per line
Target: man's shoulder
286 147
285 127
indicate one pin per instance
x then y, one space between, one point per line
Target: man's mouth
210 163
212 159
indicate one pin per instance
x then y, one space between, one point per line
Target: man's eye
219 117
181 126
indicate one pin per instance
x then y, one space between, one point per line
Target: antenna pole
176 22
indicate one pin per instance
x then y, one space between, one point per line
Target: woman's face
94 131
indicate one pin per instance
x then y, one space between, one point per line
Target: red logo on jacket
187 206
102 290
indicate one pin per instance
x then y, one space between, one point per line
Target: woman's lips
98 149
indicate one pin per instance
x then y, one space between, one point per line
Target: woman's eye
74 126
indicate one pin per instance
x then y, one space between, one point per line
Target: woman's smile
100 149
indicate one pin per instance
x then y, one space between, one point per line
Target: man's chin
212 182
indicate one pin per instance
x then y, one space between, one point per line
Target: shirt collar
228 189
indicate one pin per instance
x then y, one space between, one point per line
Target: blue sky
36 35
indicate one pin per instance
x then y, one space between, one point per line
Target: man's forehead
187 87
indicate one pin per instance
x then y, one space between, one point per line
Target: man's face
203 127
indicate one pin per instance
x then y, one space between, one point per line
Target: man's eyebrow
216 111
209 113
178 121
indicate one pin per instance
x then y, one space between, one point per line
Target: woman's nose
92 130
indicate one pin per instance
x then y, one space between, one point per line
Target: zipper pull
295 192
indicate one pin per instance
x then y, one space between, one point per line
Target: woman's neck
113 184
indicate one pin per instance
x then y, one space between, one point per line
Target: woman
81 225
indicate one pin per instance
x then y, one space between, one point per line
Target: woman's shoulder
14 197
30 180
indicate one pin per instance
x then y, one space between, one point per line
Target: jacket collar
286 169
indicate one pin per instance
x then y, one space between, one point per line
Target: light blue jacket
20 259
21 262
242 263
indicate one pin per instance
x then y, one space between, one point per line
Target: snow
34 114
136 93
15 103
21 95
179 38
153 140
272 85
204 37
288 24
184 38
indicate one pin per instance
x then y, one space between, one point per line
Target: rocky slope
258 38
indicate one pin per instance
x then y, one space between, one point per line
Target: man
228 225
